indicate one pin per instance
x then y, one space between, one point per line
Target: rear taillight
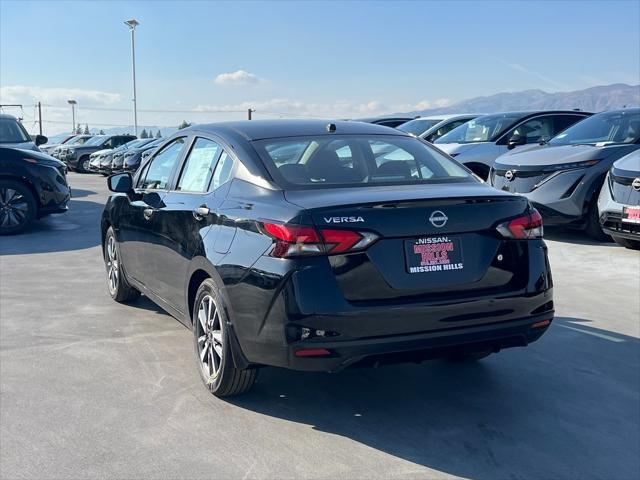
296 240
525 227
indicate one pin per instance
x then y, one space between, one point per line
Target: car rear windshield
609 127
418 126
345 160
483 129
11 131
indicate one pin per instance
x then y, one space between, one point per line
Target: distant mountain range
594 99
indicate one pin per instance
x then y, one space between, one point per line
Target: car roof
531 113
263 129
382 118
448 116
6 115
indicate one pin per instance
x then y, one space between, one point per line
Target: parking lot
94 389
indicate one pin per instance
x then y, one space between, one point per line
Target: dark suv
77 156
13 134
317 246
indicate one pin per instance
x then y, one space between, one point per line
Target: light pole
73 104
132 24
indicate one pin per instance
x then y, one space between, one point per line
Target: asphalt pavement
93 389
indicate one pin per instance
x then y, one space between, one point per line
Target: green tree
144 134
86 129
78 130
158 134
184 124
101 132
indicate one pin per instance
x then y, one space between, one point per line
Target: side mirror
120 183
41 140
516 141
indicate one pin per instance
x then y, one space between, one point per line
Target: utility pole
40 116
73 104
249 112
132 24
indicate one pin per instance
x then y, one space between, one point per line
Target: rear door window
223 170
199 166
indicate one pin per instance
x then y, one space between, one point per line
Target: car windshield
608 127
12 131
356 160
97 140
56 139
418 126
482 129
134 143
78 140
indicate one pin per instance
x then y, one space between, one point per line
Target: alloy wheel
14 207
113 273
209 335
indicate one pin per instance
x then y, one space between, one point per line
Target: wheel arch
202 269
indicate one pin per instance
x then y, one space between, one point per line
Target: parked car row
125 158
77 156
55 149
557 159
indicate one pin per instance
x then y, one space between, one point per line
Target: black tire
18 207
469 356
212 346
83 164
627 243
593 227
117 283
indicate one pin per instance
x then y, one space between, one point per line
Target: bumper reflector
542 324
312 352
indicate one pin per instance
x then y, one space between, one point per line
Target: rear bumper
400 333
410 348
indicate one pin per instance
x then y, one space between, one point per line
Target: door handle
148 213
200 212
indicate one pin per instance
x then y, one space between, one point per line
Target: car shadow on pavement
564 407
80 193
77 229
579 237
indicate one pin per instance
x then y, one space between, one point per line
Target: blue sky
311 58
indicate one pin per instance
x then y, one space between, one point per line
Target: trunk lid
433 238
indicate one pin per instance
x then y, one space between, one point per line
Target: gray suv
77 156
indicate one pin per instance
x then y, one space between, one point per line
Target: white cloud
239 77
339 109
27 94
531 73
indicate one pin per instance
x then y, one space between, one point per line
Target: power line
147 110
58 122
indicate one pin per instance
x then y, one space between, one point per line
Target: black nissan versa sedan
32 185
363 245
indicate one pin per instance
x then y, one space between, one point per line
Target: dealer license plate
433 254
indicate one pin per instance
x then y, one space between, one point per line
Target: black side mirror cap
516 141
41 140
120 183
